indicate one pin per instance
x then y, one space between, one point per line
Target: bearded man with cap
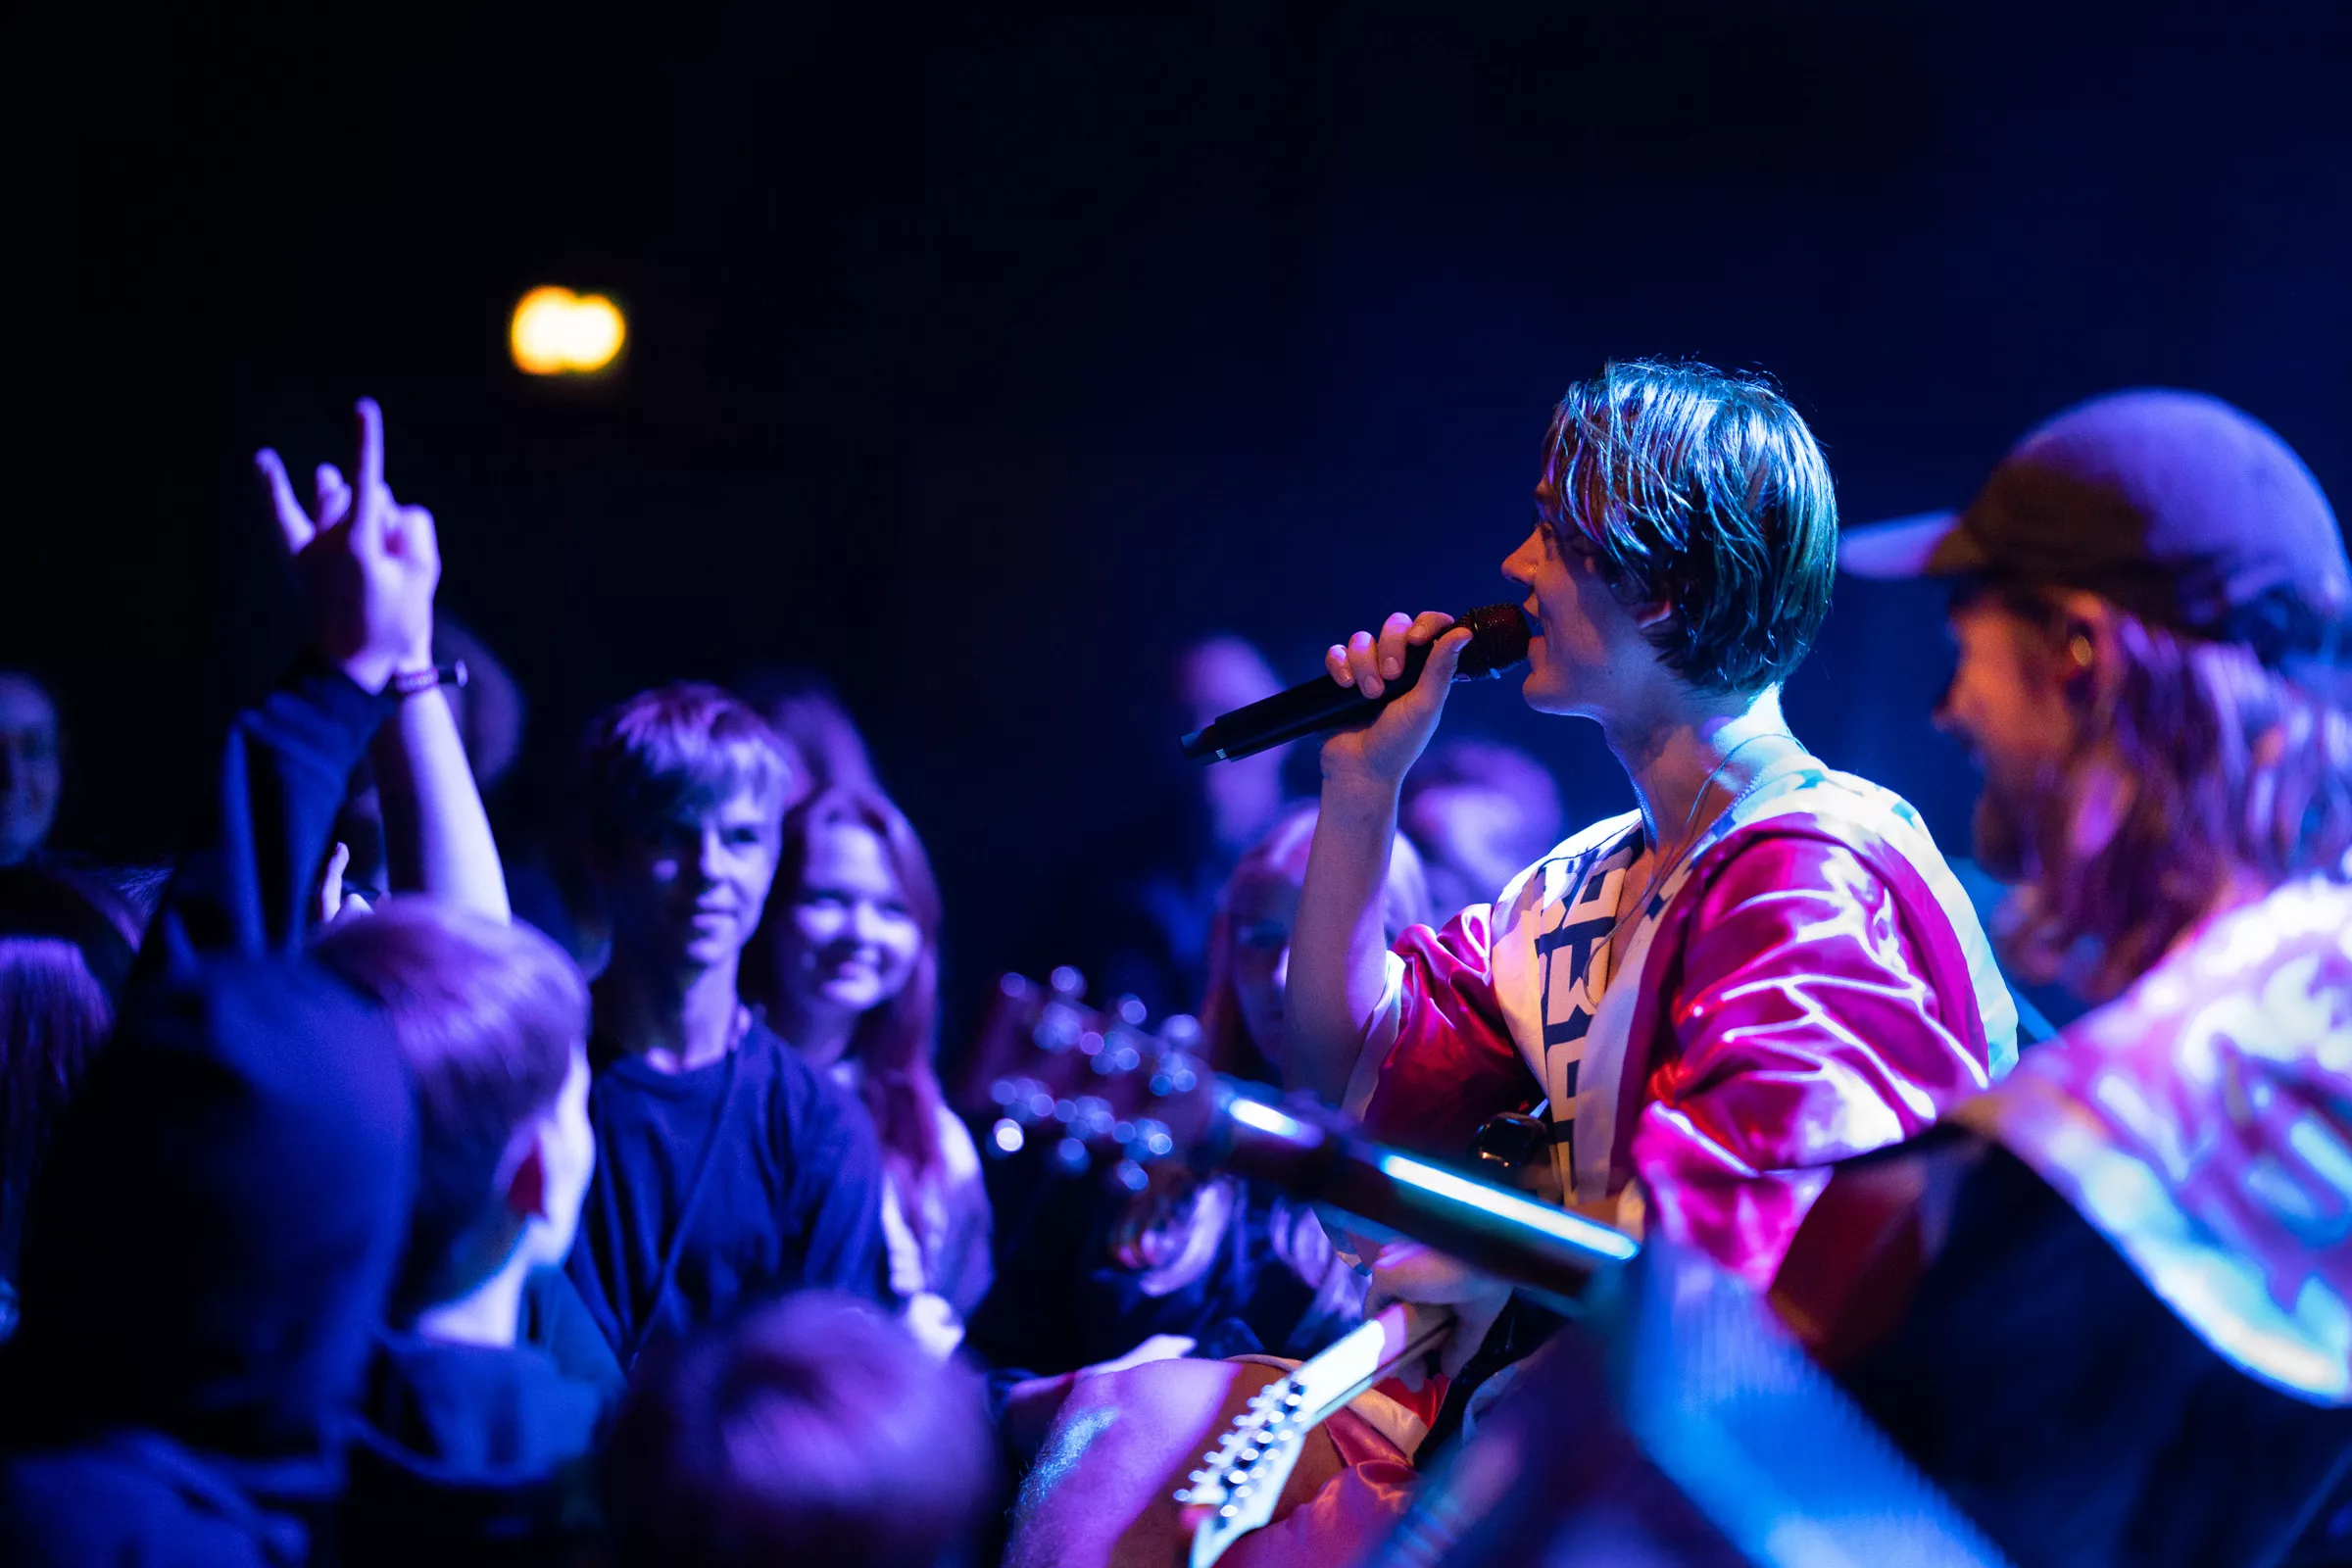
2108 1305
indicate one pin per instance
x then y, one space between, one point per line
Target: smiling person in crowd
730 1171
846 969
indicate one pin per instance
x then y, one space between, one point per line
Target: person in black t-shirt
730 1172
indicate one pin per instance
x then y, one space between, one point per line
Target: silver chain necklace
1667 869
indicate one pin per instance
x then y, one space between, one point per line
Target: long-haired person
2132 1341
847 970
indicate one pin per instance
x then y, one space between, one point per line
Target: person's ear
1648 614
526 1189
2088 661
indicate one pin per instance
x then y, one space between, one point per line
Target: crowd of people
365 1197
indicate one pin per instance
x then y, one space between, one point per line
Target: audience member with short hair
812 1432
846 968
473 1440
731 1171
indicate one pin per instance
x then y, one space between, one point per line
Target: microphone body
1498 639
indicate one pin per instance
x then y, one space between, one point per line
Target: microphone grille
1498 639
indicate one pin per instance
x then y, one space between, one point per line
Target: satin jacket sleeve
1805 1011
1437 1057
1802 1002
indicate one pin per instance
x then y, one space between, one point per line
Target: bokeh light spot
556 333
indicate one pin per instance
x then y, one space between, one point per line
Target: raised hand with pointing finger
368 566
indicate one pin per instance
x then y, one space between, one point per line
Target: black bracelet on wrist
412 682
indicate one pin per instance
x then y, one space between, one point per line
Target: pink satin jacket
2203 1122
1807 997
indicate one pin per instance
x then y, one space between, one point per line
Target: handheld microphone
1498 639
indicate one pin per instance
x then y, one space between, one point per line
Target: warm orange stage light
556 333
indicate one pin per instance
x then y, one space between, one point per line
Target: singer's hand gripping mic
1498 639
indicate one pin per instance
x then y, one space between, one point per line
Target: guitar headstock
1241 1479
1081 1080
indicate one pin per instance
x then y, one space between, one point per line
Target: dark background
978 359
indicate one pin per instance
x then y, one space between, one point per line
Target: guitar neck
1373 1351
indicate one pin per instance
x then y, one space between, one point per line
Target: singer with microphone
1762 969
